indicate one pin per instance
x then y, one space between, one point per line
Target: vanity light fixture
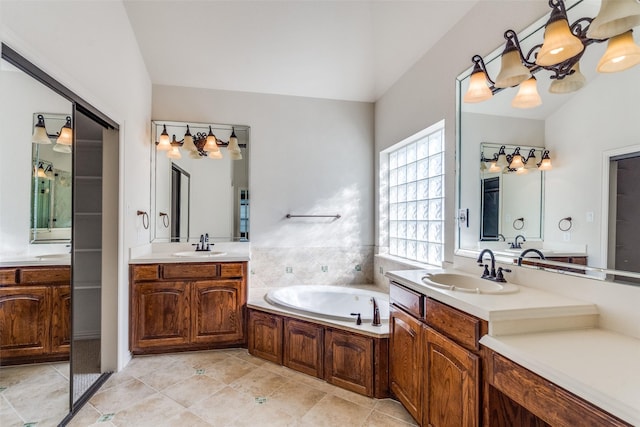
562 48
515 162
200 145
66 133
40 135
63 138
545 163
43 170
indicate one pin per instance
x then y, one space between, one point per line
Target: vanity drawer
228 270
190 271
547 401
8 276
407 299
145 272
45 275
459 326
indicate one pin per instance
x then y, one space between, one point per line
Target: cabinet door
451 393
160 314
303 347
265 336
60 319
24 321
218 307
348 361
405 360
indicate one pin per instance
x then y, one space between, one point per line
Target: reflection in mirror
180 188
213 191
51 184
35 331
583 130
511 198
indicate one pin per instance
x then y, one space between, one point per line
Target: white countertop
528 310
164 253
600 366
555 337
35 260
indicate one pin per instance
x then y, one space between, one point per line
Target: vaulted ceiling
337 49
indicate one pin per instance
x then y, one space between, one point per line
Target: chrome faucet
516 244
526 251
376 313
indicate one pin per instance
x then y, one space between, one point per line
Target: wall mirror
33 392
587 132
51 183
52 358
511 200
196 194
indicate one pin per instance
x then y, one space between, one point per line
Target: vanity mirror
588 132
197 191
51 183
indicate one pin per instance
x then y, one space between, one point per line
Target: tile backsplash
276 267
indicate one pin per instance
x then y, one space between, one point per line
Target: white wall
91 49
306 156
426 94
578 135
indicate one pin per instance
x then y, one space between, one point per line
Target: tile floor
35 395
228 388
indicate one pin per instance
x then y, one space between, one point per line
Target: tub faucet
516 244
376 313
526 251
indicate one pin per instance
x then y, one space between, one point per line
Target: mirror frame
598 273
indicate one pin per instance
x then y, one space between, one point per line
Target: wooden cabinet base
187 306
346 359
35 314
534 400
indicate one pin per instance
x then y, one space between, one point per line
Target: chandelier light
560 52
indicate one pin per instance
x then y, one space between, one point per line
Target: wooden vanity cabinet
517 396
434 358
187 306
405 360
346 359
35 314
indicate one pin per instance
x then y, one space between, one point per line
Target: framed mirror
586 132
196 194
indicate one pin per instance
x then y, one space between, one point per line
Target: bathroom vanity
187 306
35 313
519 358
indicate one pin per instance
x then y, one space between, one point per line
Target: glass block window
416 199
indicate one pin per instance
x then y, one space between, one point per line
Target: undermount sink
53 256
199 254
465 283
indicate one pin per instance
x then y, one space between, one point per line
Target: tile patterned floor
228 388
